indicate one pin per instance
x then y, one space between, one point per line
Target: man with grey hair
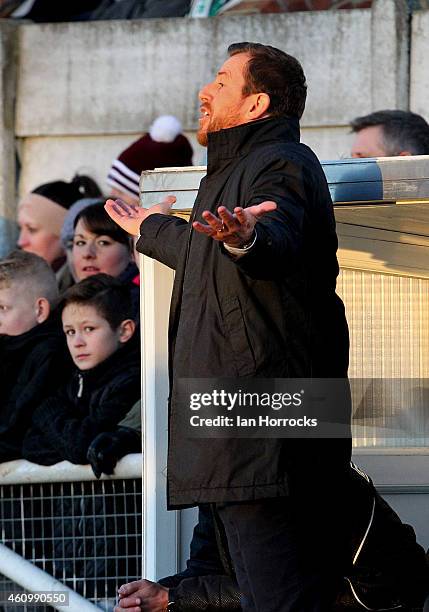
390 133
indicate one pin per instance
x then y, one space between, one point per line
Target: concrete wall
86 90
8 63
113 77
47 158
419 69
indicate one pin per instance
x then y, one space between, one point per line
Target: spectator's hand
130 217
108 447
142 596
236 229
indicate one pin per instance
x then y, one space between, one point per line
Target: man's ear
126 330
260 103
43 310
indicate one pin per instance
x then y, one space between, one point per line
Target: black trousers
288 555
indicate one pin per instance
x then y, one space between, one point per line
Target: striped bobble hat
164 146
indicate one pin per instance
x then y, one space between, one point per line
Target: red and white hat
164 146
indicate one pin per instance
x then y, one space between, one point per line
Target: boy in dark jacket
100 332
33 353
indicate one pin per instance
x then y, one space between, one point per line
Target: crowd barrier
84 533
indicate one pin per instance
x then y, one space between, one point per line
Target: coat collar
37 334
238 141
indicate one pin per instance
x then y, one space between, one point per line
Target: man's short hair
110 297
274 72
29 271
402 130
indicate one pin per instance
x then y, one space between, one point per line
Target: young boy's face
90 338
18 311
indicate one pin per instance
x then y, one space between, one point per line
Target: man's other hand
237 229
130 217
142 596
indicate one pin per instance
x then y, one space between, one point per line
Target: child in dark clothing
33 353
100 332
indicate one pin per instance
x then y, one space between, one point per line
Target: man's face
369 143
222 102
18 312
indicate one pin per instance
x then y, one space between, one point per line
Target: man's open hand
130 217
142 596
235 229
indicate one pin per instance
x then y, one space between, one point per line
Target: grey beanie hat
67 231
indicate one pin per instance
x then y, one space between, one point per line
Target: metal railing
86 533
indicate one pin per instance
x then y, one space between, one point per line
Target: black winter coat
126 277
92 402
273 313
32 366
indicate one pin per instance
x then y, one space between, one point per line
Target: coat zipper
80 389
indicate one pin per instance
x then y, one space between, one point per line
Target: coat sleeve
204 584
280 234
163 237
210 593
132 419
204 558
71 435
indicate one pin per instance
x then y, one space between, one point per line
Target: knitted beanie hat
47 205
65 194
164 146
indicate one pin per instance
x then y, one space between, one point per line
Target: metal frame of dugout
382 214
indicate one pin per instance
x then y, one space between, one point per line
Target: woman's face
93 253
35 239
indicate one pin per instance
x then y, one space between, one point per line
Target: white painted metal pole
34 579
147 317
160 533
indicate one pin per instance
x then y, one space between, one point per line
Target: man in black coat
254 298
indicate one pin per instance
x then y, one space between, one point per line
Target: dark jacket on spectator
32 366
127 277
93 401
